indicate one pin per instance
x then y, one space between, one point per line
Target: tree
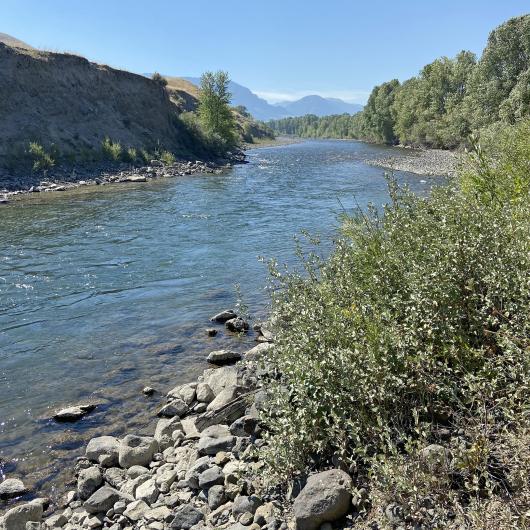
215 114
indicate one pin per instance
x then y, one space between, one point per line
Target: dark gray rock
185 517
88 481
223 316
244 503
237 325
216 497
244 426
223 357
104 499
214 439
211 477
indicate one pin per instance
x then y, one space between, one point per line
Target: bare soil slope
72 103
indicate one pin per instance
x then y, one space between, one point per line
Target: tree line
445 103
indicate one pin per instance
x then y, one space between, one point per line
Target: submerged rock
237 325
223 316
74 413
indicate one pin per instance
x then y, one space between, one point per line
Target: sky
280 49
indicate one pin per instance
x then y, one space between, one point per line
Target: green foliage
215 116
129 155
159 80
42 160
111 150
448 100
167 158
418 320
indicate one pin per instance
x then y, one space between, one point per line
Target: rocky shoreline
64 179
428 162
199 470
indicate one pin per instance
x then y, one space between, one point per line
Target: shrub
167 158
417 322
111 150
42 160
159 80
130 155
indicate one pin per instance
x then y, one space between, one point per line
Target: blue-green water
107 289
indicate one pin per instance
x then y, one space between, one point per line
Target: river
105 290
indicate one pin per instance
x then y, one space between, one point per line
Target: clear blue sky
276 48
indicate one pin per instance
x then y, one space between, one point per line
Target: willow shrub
420 315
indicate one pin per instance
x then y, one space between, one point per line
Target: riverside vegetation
448 100
390 388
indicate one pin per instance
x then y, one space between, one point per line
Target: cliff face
67 101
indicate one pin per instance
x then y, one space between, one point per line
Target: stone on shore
104 499
17 517
213 476
204 393
221 378
223 316
136 450
223 357
11 488
185 517
136 510
257 352
214 439
324 499
176 407
244 503
103 448
184 392
74 413
88 481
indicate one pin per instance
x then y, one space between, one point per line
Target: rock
221 378
73 413
244 503
137 471
102 445
394 513
244 426
115 476
223 357
204 393
185 517
435 457
266 334
237 325
211 332
263 513
216 496
177 407
148 391
246 519
192 474
162 513
88 481
325 498
258 351
135 178
148 491
136 450
56 521
212 476
184 392
11 488
136 510
223 316
104 499
214 439
224 397
164 431
17 517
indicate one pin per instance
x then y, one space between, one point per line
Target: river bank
60 179
428 162
200 469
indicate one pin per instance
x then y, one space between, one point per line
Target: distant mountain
262 110
319 106
11 41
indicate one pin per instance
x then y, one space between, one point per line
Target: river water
105 290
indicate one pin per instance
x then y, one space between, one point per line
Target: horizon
295 64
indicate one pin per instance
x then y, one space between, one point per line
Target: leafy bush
167 158
42 160
129 155
416 329
159 80
111 150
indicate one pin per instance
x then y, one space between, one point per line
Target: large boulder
184 392
176 407
324 499
136 450
17 517
204 393
164 431
88 481
224 397
104 499
214 439
103 448
220 378
12 487
136 510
